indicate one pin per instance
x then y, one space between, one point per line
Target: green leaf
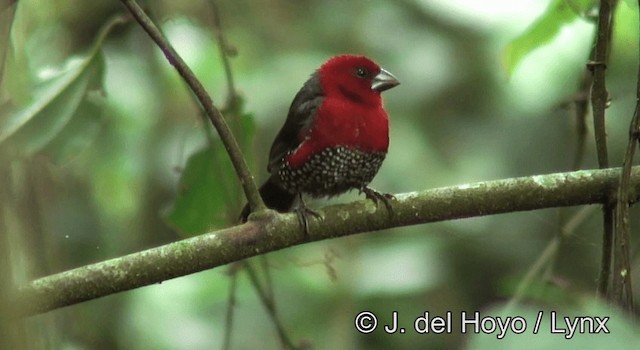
208 190
200 204
79 133
35 125
28 128
243 126
543 30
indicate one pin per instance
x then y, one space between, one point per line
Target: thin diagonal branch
229 141
231 303
269 303
269 231
233 107
547 256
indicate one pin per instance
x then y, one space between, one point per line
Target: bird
334 139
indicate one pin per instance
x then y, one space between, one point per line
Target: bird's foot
303 213
376 197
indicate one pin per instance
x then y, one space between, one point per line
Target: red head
351 112
355 78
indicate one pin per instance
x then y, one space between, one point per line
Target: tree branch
225 51
268 231
599 95
624 292
229 141
599 101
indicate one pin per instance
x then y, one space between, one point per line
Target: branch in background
266 298
624 291
230 143
599 101
233 104
581 103
599 94
546 258
226 50
268 231
231 303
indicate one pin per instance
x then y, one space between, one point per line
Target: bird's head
356 78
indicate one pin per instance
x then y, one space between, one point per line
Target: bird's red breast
351 113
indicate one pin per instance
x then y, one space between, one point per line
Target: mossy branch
268 231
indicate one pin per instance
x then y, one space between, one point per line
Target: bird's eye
361 72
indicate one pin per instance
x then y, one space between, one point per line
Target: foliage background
465 112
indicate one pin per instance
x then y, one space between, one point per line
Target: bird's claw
376 197
303 211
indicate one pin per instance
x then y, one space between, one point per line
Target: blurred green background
94 173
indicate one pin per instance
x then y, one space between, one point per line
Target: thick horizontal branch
268 231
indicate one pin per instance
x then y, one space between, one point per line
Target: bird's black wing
300 117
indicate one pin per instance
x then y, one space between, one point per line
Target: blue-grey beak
384 81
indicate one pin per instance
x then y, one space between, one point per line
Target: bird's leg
376 197
302 210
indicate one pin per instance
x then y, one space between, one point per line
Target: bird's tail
274 196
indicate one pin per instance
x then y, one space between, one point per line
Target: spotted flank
331 171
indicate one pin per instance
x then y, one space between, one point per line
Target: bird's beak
384 81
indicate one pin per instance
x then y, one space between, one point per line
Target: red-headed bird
335 137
